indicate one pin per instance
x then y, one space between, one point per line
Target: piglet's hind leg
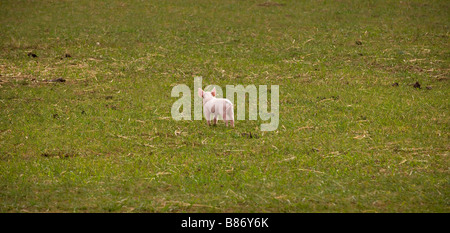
208 117
224 114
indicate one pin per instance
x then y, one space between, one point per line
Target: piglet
217 107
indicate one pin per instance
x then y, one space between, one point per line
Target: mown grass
104 141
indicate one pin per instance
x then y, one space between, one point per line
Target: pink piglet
217 107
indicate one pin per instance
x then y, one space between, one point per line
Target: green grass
104 141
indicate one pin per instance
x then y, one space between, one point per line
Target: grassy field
355 135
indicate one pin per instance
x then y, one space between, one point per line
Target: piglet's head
206 96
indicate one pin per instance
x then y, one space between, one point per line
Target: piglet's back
219 105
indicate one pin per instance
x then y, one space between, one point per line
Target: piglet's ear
200 92
213 92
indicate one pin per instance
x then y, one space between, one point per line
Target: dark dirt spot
55 116
83 112
358 42
319 98
249 135
360 54
113 107
315 149
60 80
30 54
59 154
395 84
417 85
56 80
67 55
109 97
